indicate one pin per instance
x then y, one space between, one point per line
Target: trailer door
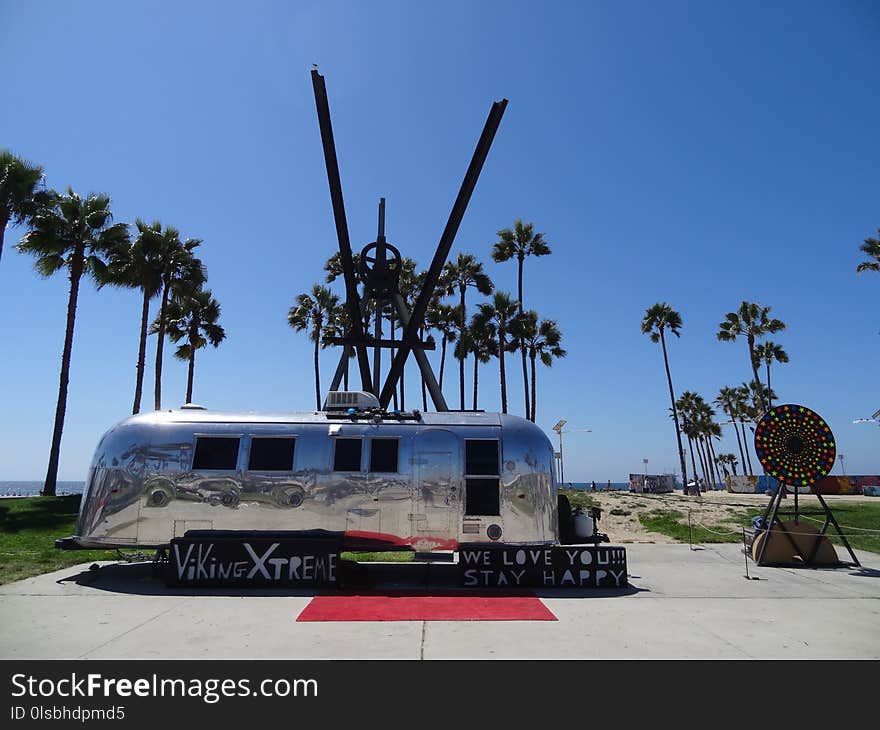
437 496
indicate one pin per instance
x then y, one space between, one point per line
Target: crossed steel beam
412 321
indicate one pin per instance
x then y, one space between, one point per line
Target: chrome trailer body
156 476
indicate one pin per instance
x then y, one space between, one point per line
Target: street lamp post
558 428
840 459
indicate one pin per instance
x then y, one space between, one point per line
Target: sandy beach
621 510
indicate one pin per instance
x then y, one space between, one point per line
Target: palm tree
458 276
871 246
179 267
520 241
752 321
727 402
192 316
314 312
744 412
444 319
72 233
656 321
688 428
339 325
139 266
408 286
767 352
713 431
728 460
542 341
498 315
18 186
480 342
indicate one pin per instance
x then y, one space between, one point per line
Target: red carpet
426 608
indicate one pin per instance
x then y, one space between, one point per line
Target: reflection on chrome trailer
367 478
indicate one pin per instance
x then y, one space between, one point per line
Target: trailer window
216 452
383 455
347 456
482 478
271 454
481 457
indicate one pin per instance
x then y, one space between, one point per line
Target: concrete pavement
681 603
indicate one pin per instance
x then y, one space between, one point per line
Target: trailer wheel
159 497
289 498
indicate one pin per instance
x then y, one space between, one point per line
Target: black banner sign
251 559
563 566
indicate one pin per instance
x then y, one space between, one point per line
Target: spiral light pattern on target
795 445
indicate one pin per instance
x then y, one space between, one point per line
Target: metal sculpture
380 274
796 446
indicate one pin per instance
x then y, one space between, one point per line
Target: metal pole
417 315
422 360
352 299
561 463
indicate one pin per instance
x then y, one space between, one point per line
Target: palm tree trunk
402 369
769 396
142 355
717 475
751 341
4 220
522 350
707 462
733 465
739 443
422 375
681 461
503 374
160 344
191 373
702 461
534 406
693 462
317 375
461 360
442 360
746 444
476 363
64 379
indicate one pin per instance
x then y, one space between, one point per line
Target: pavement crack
85 654
422 647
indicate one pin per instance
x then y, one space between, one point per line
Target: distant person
593 486
609 485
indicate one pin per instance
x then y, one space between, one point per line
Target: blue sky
693 153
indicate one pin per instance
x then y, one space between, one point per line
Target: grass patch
395 556
859 521
577 498
28 530
674 524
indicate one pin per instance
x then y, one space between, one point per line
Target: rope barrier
848 527
714 532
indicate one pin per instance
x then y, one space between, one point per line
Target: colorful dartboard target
795 445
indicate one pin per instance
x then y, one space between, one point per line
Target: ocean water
32 489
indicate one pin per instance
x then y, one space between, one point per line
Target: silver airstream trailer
419 481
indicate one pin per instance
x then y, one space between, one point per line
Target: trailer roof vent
192 407
342 400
